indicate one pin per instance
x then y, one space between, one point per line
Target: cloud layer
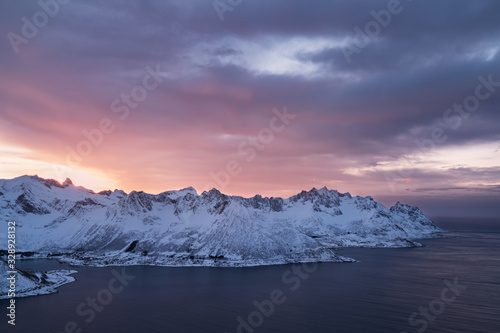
372 123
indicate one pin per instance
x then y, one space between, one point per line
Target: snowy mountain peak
324 190
67 183
105 192
31 180
187 190
212 193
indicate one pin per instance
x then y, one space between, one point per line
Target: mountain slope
184 228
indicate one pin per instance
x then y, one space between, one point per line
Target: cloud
355 121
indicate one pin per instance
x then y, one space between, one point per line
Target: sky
397 100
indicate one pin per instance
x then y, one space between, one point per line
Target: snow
35 283
184 228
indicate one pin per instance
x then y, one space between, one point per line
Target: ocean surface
449 285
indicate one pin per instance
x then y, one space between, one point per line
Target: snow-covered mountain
184 228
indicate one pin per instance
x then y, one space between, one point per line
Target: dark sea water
378 294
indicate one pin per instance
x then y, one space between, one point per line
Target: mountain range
184 228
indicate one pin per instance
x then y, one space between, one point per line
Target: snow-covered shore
32 284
